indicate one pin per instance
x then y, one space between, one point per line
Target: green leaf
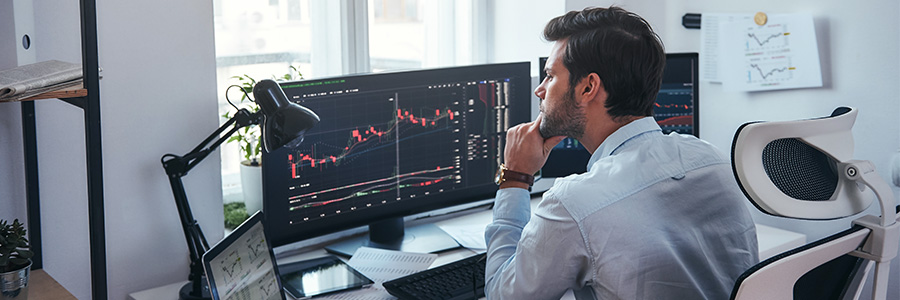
25 254
18 261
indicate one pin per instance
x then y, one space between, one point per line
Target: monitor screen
392 144
676 111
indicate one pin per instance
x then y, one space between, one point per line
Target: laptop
242 266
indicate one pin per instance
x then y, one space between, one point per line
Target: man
655 216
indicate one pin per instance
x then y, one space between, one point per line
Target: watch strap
510 175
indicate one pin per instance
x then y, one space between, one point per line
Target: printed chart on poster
779 54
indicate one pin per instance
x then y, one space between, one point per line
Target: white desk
771 242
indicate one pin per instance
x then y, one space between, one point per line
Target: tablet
319 276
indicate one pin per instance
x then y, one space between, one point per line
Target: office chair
804 170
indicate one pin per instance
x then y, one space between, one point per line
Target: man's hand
526 150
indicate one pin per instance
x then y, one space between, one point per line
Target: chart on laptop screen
244 271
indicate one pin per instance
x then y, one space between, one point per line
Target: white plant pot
251 185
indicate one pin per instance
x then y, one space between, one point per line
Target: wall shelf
72 92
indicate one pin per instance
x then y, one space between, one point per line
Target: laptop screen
242 266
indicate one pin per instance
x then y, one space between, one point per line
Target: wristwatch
504 174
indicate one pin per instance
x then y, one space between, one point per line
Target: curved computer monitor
677 110
390 145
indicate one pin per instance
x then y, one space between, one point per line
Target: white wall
159 92
519 35
157 96
12 183
519 29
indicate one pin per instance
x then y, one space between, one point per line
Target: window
321 38
396 34
259 38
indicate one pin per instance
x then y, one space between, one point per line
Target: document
468 236
380 266
780 54
711 42
383 265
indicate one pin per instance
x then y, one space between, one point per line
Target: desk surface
771 241
42 286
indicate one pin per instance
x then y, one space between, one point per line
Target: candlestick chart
388 145
674 108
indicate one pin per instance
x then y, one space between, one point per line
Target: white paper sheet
383 265
380 266
711 40
468 236
782 54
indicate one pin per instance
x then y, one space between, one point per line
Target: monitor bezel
695 57
522 113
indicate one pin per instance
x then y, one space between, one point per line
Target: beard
566 120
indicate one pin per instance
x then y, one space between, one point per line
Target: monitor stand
389 234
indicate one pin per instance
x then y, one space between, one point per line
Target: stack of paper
29 80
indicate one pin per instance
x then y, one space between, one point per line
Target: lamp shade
284 122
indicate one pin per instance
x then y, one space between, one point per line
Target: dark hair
620 47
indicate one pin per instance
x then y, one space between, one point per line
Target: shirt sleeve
533 259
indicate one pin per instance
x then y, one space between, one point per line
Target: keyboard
458 280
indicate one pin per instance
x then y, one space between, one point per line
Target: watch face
499 176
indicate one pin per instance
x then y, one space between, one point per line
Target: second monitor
677 110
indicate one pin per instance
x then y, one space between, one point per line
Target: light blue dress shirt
655 217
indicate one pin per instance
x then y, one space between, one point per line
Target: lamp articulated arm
283 125
176 168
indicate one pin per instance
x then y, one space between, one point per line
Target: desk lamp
283 125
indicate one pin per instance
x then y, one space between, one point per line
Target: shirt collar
621 136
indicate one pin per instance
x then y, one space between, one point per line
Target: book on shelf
26 81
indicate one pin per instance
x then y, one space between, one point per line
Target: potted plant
250 141
15 260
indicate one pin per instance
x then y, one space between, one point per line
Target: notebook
242 266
